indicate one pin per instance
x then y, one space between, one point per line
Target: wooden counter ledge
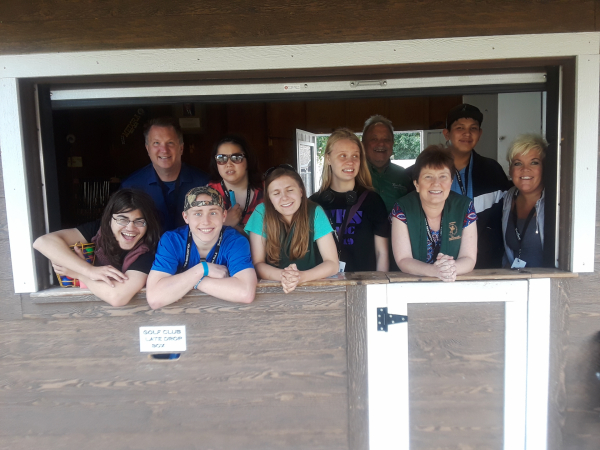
488 274
335 283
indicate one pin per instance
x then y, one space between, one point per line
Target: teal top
391 184
320 227
255 223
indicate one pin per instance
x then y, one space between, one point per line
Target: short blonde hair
363 178
524 143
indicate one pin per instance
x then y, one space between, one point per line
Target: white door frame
527 356
584 47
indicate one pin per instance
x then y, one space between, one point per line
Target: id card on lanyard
188 249
465 182
435 246
518 263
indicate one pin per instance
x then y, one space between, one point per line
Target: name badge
342 266
518 264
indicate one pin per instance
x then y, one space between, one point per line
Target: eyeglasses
236 158
123 221
280 166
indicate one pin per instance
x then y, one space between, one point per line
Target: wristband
205 267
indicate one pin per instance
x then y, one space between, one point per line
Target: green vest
455 210
312 257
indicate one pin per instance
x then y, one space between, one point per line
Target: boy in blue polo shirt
203 255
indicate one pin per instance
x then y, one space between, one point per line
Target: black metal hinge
384 319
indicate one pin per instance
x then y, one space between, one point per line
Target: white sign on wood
163 339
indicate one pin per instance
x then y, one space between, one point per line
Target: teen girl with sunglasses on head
234 174
290 236
355 210
125 241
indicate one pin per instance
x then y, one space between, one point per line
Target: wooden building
295 371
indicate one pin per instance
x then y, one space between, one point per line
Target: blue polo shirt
170 254
146 180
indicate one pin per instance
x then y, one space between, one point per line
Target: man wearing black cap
480 178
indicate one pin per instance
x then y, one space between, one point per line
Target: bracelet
205 267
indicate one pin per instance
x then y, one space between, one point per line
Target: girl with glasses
355 210
125 240
290 236
234 172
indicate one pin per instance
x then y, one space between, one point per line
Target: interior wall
488 105
517 114
98 138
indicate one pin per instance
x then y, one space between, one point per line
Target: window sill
337 282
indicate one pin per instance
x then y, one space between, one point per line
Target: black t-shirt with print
143 263
358 250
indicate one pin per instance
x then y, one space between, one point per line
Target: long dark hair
124 201
275 226
254 175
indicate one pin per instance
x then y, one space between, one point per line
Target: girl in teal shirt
290 236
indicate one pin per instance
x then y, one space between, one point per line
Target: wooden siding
456 373
10 303
272 374
61 25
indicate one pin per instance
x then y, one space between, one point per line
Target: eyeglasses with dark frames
236 158
280 166
123 222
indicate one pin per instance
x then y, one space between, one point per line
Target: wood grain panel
559 327
410 113
359 110
40 26
297 301
10 303
582 388
325 116
250 121
249 379
438 109
581 428
358 392
456 373
284 117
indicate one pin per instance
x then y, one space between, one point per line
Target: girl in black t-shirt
362 240
125 240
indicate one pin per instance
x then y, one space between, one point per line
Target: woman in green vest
290 236
431 227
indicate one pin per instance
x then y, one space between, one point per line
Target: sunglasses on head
280 166
236 158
